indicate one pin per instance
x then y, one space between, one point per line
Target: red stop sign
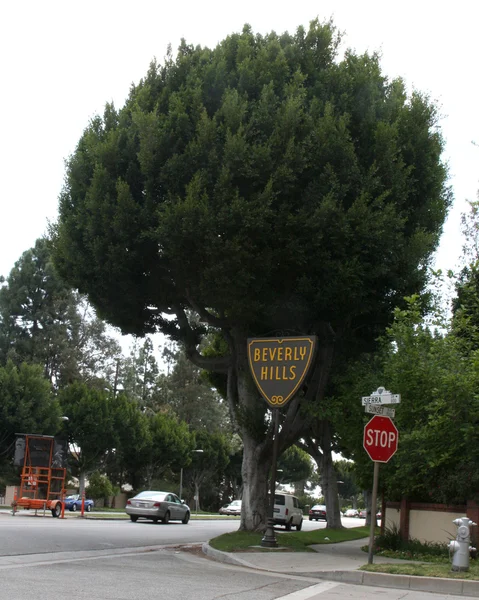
380 438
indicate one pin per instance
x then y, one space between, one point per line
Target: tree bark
250 415
254 512
81 482
329 480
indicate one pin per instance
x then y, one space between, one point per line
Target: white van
287 512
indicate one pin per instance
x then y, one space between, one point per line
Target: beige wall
392 518
433 526
426 525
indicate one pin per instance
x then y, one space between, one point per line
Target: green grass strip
247 541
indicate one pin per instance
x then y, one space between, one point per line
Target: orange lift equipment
42 480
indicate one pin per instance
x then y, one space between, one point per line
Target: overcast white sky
62 60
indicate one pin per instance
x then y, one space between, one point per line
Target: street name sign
379 409
279 366
381 396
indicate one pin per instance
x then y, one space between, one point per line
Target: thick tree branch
206 316
219 364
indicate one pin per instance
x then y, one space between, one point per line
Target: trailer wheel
57 510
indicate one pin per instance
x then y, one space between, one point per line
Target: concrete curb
458 587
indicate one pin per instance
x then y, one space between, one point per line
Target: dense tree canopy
262 186
37 310
437 418
187 392
43 321
27 405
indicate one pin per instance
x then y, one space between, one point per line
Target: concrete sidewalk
340 562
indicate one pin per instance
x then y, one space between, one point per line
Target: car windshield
319 507
153 495
236 503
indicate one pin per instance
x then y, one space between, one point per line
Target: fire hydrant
461 546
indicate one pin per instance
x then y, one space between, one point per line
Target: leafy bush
99 487
391 542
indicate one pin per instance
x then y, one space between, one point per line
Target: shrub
391 541
99 487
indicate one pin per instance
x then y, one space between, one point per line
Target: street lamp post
181 476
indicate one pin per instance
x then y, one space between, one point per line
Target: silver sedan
156 506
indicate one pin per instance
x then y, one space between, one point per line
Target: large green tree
138 373
36 309
189 394
438 415
207 467
43 321
90 428
261 187
27 405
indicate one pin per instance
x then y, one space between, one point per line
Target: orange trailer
42 480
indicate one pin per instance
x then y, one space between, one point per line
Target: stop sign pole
380 442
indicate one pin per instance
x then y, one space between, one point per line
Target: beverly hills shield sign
279 366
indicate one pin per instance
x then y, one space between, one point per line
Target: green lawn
435 569
246 541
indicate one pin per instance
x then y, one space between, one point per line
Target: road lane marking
311 591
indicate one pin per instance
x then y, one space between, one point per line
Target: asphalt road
117 560
29 534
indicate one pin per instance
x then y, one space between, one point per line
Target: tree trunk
81 483
254 511
197 497
329 480
299 487
250 416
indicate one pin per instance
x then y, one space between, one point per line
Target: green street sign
279 366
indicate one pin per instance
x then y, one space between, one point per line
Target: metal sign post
380 442
279 367
269 538
373 512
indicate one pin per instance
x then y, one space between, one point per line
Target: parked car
318 511
363 514
233 508
352 512
287 511
73 503
156 506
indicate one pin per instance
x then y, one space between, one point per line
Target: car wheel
74 507
88 508
288 526
310 518
299 525
166 518
133 518
186 518
155 520
57 510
